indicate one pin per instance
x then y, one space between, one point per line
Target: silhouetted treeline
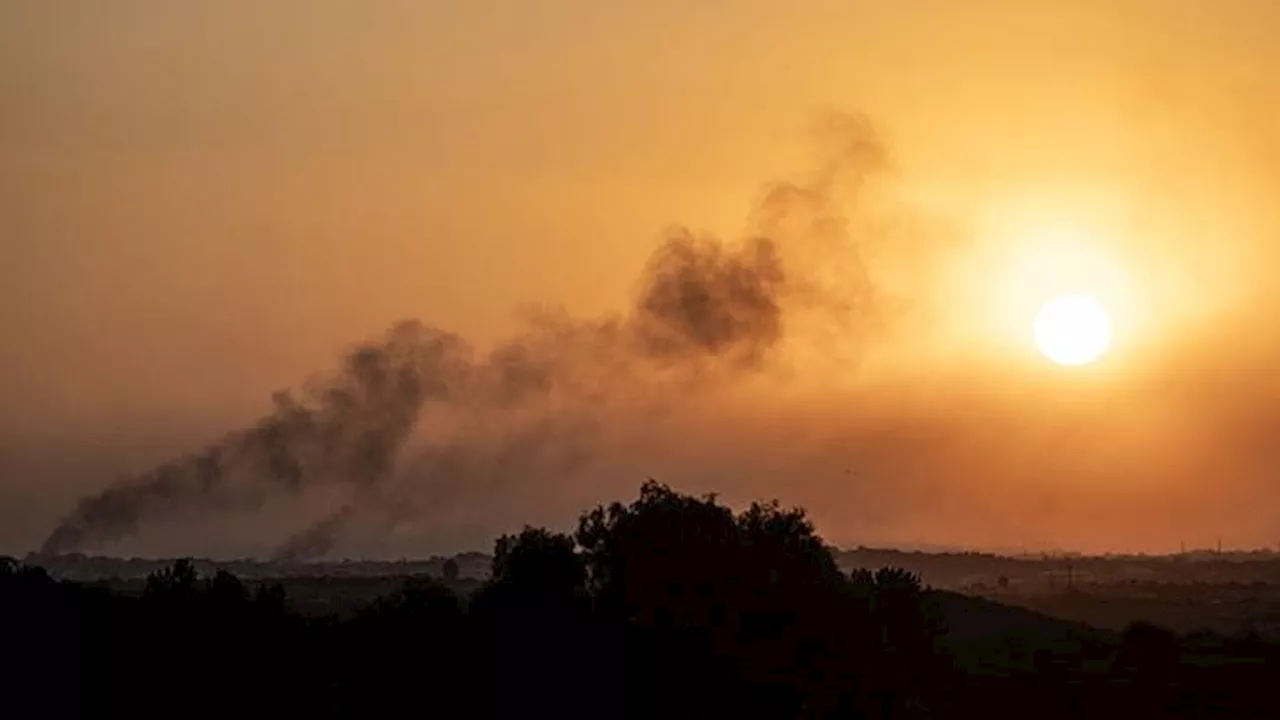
672 606
90 568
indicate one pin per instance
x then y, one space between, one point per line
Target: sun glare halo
1073 329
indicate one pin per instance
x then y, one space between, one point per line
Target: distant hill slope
1224 608
984 636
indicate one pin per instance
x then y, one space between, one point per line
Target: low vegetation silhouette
672 606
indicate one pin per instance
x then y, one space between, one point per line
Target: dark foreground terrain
671 606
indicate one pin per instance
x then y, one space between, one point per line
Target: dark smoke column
349 430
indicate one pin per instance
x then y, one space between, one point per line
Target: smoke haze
198 210
528 412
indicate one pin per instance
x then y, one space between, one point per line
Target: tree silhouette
226 589
174 582
656 561
539 561
702 586
533 617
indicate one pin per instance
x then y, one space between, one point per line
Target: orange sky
203 203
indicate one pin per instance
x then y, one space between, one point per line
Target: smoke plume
706 311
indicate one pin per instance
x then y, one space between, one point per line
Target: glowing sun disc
1073 330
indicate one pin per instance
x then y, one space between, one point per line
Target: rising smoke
706 312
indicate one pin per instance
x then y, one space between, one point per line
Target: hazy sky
202 203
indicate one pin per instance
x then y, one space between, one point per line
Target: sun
1073 330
